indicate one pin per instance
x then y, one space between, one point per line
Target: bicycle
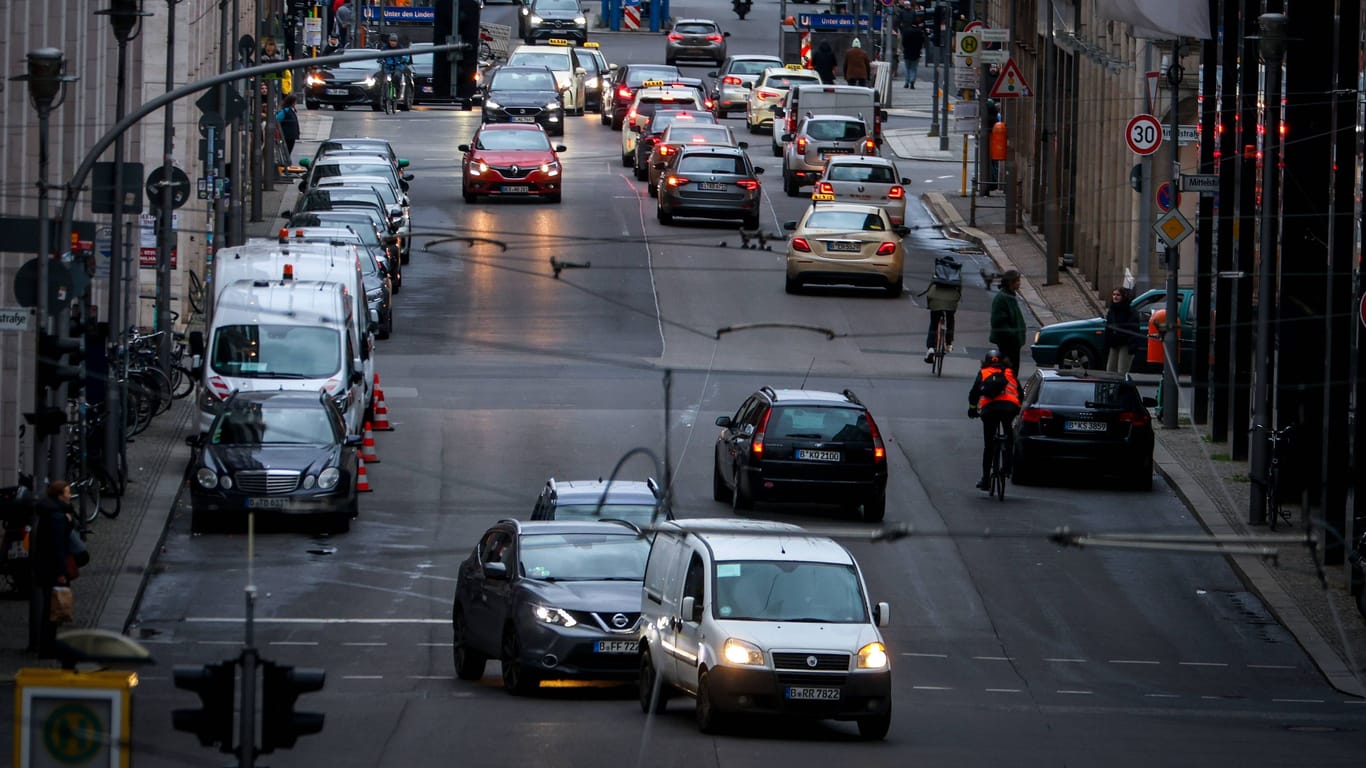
997 486
941 346
1275 514
91 482
388 95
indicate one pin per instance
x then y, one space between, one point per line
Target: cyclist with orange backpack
995 398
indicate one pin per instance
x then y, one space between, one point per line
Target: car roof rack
767 390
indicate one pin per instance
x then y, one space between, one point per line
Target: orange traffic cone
362 479
382 413
367 449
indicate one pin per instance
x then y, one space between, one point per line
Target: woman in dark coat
1121 332
824 62
51 546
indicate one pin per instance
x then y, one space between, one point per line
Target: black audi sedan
351 84
524 95
277 453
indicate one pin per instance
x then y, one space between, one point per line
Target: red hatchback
511 160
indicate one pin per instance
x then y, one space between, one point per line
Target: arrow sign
1011 83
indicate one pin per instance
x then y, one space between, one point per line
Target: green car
1078 342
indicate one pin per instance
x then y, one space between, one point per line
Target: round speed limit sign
1144 134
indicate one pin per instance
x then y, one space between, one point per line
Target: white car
651 96
768 91
864 179
563 62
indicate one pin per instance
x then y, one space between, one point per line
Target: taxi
654 128
652 95
838 243
563 61
864 179
768 91
597 83
626 81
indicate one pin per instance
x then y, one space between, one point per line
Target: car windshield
787 81
584 557
505 80
836 130
349 185
548 59
528 140
640 514
327 170
789 591
363 65
638 75
424 61
834 425
662 119
751 66
364 231
258 424
731 164
557 5
354 145
276 351
698 135
844 221
1091 394
694 28
875 174
325 199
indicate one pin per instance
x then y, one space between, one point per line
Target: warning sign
1011 83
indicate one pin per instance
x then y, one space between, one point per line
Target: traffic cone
362 479
367 449
382 413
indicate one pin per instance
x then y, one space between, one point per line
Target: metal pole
164 234
1052 227
945 48
246 727
258 181
1272 49
1010 116
239 165
1142 277
115 424
1171 397
42 443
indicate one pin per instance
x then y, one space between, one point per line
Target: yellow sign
967 43
592 45
823 198
72 718
652 84
797 67
559 41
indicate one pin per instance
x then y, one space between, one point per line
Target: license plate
828 152
428 89
1084 426
711 186
842 247
277 502
336 91
813 694
522 119
615 646
803 453
516 189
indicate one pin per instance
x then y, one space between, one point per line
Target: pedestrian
856 64
51 551
288 118
1121 331
342 19
333 46
912 45
824 61
1007 320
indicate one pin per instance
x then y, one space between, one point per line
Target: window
494 547
523 81
873 174
548 59
276 351
1089 394
637 75
528 140
698 135
846 425
694 28
584 557
640 514
257 424
557 5
727 164
789 591
836 130
752 66
787 81
694 581
844 221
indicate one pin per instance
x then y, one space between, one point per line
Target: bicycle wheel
182 382
157 386
85 493
998 478
1273 500
195 294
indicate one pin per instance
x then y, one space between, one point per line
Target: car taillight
632 116
675 37
886 249
1035 415
896 193
731 80
1138 419
825 188
801 144
756 445
765 93
869 147
623 92
676 181
750 184
879 450
800 245
665 150
714 38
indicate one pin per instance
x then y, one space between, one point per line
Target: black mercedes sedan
351 84
524 95
274 453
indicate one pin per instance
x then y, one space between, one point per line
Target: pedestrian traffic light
215 684
59 361
281 686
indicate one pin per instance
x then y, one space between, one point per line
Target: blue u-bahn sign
402 14
838 22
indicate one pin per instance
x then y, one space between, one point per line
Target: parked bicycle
1271 484
94 489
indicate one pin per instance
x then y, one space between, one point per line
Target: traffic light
940 25
281 686
59 361
215 684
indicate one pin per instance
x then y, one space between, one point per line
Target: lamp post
165 236
1273 53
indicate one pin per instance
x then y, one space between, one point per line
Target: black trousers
42 633
990 421
1012 355
932 335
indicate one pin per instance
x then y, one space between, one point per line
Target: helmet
393 38
992 357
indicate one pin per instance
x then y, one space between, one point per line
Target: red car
511 160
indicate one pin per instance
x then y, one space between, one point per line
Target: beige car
768 91
845 244
677 136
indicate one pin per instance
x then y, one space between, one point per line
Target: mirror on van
356 376
746 84
374 320
497 571
196 343
901 230
882 614
463 148
712 74
742 144
1149 402
786 137
690 610
194 441
758 170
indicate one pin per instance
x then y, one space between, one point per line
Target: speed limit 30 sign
1144 134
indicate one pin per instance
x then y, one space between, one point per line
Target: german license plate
428 89
615 646
336 91
275 502
844 247
807 693
828 152
711 186
803 453
523 119
823 197
516 189
1084 426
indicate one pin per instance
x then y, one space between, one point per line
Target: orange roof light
289 272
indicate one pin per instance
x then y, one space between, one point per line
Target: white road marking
365 644
931 688
362 677
321 620
991 658
1075 693
294 642
928 655
1297 701
1067 661
437 645
1161 695
431 677
219 642
1003 690
1133 661
1270 666
1202 664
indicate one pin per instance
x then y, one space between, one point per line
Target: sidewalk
121 550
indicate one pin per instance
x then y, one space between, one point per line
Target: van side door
689 628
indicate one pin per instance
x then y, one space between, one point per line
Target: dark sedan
524 95
349 84
550 600
281 452
711 182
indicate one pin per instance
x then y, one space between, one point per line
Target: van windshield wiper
283 375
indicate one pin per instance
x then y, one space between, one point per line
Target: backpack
947 271
994 385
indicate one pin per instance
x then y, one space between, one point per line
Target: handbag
76 546
62 607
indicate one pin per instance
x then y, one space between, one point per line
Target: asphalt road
1007 649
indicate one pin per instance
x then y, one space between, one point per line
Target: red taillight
800 245
731 80
879 451
886 249
715 38
675 37
1138 419
632 116
665 150
801 144
756 446
623 92
825 188
765 93
896 193
750 184
869 147
676 181
1035 415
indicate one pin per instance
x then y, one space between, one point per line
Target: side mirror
463 148
408 177
611 66
285 214
403 184
723 421
396 211
498 571
882 115
712 74
905 181
303 186
882 614
901 230
353 441
1149 402
786 137
194 441
403 163
725 34
196 343
758 170
374 317
356 376
690 609
747 85
789 226
580 71
561 148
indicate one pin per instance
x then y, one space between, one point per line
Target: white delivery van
758 617
284 334
803 100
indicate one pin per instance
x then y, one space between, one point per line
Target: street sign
967 43
966 78
1172 228
1001 36
65 717
1011 83
1166 199
987 56
180 186
1204 183
235 104
1186 134
1143 134
14 319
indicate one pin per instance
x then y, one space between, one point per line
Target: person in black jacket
1121 332
51 546
824 62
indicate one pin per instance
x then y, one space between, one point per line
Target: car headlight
368 82
479 168
552 105
535 20
207 478
313 80
308 482
551 168
591 82
549 615
872 656
328 478
580 20
491 104
742 652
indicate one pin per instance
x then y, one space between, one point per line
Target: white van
284 334
758 617
803 100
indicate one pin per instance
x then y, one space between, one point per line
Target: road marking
431 677
931 688
293 642
1270 666
1202 664
362 677
365 644
1075 693
928 655
436 645
1133 661
1162 695
1297 701
219 642
280 620
1003 690
991 658
1067 661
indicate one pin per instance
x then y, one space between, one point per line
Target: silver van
758 617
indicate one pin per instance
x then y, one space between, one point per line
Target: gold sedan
845 244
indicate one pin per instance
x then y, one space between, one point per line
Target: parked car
1077 343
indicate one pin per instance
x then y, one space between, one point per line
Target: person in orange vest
1157 326
995 399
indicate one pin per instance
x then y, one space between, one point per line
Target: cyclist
995 398
396 65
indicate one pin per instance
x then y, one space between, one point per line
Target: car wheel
1021 471
339 107
719 490
353 506
200 521
654 695
790 185
738 498
397 282
1076 354
469 663
874 511
777 148
616 123
405 257
875 728
555 197
670 62
1143 477
664 216
376 107
605 115
310 104
517 679
386 326
708 719
792 285
337 522
894 288
642 174
470 197
628 160
652 189
755 128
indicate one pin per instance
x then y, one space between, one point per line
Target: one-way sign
1204 183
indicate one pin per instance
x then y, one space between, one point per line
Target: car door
489 598
737 437
688 630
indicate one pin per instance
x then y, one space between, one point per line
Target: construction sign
1011 84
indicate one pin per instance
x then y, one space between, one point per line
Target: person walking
50 552
1007 320
343 17
288 118
995 398
1121 332
824 62
912 45
856 64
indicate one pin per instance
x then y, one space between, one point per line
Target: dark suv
1089 419
634 501
801 445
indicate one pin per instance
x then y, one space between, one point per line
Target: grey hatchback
695 39
634 501
710 182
